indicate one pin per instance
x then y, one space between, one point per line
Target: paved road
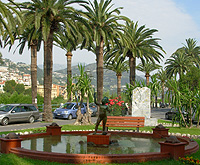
159 113
155 113
37 124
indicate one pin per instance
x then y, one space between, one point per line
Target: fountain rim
100 158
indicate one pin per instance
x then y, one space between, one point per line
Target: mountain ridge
60 76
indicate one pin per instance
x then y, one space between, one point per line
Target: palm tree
140 44
155 88
104 28
147 67
1 60
49 17
84 86
7 20
34 39
162 76
192 50
176 98
68 42
118 66
178 63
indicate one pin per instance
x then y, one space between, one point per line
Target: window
17 109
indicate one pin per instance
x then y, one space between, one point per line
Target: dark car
68 111
93 108
18 113
174 113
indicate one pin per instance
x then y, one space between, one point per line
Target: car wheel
31 119
70 117
166 116
4 121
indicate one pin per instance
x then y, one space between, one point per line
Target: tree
50 17
68 42
191 50
19 88
155 88
162 76
147 67
83 85
176 98
104 29
119 66
192 79
178 63
34 39
1 60
7 20
10 86
140 44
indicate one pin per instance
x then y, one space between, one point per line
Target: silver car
18 113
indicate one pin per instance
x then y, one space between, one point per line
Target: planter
7 144
53 130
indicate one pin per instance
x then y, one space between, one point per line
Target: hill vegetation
60 78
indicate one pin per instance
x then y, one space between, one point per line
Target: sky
175 20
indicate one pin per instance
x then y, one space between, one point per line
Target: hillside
60 78
110 79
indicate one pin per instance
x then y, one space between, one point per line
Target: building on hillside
56 91
27 79
2 84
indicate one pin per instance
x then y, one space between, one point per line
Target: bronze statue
102 114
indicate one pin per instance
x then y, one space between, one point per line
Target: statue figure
102 114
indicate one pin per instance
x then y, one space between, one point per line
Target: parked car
18 113
173 113
68 111
93 107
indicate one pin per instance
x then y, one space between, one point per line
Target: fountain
168 149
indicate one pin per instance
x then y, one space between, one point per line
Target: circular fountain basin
77 144
76 151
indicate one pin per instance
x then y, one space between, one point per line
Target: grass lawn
11 159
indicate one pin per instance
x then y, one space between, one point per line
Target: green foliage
191 79
7 98
28 92
58 100
19 88
10 86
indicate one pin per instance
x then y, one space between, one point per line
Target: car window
32 108
6 108
17 109
67 106
76 107
25 109
82 106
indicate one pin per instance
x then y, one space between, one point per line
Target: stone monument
141 105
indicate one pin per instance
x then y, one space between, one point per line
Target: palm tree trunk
132 65
69 74
147 78
99 54
48 63
198 121
34 72
156 101
163 92
119 77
